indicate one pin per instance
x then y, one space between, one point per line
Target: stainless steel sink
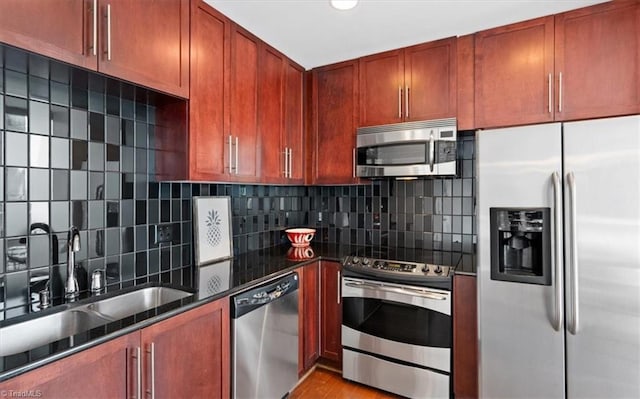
33 333
30 334
121 306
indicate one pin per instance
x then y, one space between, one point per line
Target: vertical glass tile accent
59 121
39 151
17 146
38 184
16 184
39 250
79 124
59 184
16 219
38 117
59 216
78 185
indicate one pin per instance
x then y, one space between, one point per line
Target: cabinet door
335 110
464 66
330 312
311 315
598 57
146 42
465 337
243 111
382 88
430 80
106 371
270 115
61 29
514 72
293 126
187 356
209 71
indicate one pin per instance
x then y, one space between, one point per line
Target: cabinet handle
108 32
406 102
339 288
399 102
560 92
290 163
354 163
152 360
286 163
230 154
549 89
136 355
95 27
237 162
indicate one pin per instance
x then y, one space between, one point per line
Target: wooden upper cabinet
335 119
430 80
598 59
208 127
382 88
61 29
293 120
465 50
243 106
271 112
143 41
414 83
147 42
514 73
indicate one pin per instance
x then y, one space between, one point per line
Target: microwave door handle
432 151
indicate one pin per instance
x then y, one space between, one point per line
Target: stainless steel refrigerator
558 209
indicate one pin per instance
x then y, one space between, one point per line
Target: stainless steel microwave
411 149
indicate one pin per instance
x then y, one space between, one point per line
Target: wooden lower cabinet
309 317
330 313
105 371
184 356
465 337
188 355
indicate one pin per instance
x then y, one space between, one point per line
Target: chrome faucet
71 290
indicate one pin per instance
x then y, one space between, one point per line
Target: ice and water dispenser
521 245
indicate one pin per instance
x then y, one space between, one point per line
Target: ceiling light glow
343 4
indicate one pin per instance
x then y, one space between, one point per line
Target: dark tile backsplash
77 148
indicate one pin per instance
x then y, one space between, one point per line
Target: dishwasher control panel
263 294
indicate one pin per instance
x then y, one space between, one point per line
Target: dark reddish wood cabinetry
188 355
597 61
183 356
334 123
576 65
413 83
208 123
465 337
309 321
465 50
514 73
105 371
120 38
330 313
280 118
243 105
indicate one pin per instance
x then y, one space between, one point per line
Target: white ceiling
313 34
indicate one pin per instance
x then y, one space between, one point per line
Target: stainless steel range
396 325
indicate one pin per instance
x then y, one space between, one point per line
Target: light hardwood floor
326 384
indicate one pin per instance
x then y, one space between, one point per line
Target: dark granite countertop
210 282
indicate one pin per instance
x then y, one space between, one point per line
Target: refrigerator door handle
574 325
558 266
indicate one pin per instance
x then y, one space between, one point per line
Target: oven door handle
399 290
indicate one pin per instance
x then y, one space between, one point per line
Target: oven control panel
426 270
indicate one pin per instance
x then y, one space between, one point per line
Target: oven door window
394 154
397 321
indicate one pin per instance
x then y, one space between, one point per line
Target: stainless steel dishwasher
264 327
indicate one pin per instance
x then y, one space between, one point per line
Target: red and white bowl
300 237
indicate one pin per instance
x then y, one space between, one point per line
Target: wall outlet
164 233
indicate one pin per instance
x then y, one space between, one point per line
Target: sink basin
134 302
36 332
